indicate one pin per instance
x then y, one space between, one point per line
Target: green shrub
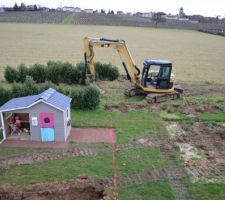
63 90
72 74
91 98
74 77
22 72
106 71
38 72
85 98
17 90
29 87
81 69
53 72
4 95
77 95
46 86
10 74
1 135
66 72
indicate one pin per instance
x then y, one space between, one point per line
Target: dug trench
82 188
124 107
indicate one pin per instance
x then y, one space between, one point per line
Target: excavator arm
132 71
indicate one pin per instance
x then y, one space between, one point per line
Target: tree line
22 7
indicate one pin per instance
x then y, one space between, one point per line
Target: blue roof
49 96
157 62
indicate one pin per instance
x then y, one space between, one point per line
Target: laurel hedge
59 72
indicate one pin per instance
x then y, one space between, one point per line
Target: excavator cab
157 74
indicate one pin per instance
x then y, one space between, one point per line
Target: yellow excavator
157 80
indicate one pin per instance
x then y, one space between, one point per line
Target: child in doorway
12 126
18 124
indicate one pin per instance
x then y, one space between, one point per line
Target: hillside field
196 57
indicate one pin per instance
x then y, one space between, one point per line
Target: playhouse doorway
14 132
47 127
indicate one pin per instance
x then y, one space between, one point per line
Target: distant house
44 9
169 16
58 9
223 21
129 13
31 8
147 14
88 11
77 9
44 117
183 19
139 14
2 10
68 9
120 12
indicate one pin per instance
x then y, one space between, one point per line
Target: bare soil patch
188 109
211 140
124 107
82 188
203 89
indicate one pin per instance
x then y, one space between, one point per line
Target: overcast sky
203 7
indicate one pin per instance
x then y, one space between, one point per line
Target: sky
203 7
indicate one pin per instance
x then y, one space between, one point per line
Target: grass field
197 57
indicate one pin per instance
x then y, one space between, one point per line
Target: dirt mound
82 188
124 107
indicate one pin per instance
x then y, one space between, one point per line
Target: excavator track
156 97
131 92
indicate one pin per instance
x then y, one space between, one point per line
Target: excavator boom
132 71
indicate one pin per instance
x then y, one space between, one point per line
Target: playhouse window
34 121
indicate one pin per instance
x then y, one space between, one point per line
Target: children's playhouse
44 117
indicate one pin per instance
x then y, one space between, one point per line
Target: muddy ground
124 107
203 89
82 188
205 149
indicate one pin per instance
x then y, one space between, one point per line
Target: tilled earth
80 189
124 107
210 140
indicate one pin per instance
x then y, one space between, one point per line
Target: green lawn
128 162
152 191
207 191
127 126
217 117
